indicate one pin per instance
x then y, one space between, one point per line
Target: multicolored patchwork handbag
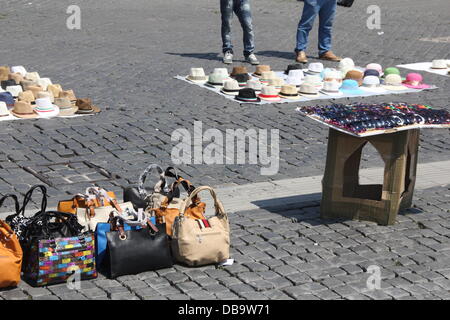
55 250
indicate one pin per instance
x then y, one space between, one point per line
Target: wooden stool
344 197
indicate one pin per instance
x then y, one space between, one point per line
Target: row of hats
346 79
31 96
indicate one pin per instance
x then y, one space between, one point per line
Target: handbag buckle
122 237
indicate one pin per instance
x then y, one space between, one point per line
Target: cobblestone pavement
295 255
125 56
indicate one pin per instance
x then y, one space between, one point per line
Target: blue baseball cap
7 98
350 86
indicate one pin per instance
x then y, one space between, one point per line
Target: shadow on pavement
214 56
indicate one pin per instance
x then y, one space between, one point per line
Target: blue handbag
101 241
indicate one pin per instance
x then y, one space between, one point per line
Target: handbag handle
158 186
220 211
168 173
12 196
63 218
28 195
5 229
174 188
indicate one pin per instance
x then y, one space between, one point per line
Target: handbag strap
28 195
220 211
12 196
158 186
102 196
6 231
41 222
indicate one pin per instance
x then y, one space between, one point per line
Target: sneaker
228 57
252 59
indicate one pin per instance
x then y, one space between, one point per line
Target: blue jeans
326 10
244 14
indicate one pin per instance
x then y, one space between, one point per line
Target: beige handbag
89 217
198 242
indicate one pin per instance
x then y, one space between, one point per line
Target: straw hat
66 108
266 75
355 75
269 93
69 94
26 96
230 87
45 94
314 80
331 88
85 106
55 89
415 81
393 82
260 69
24 110
315 68
346 63
17 77
289 91
254 84
45 108
28 83
4 72
44 83
439 64
308 90
35 90
295 77
238 70
372 84
277 83
19 69
197 75
14 90
33 76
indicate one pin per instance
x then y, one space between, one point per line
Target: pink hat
414 81
375 66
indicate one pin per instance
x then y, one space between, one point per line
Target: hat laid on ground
391 70
4 112
247 95
331 88
230 87
351 87
26 96
45 94
289 91
7 83
28 83
308 90
269 93
414 81
17 77
355 75
375 66
4 72
331 74
242 78
254 84
35 90
260 69
45 108
217 78
295 77
439 64
19 69
277 83
23 109
85 106
372 84
69 94
65 107
222 71
7 98
238 70
266 75
197 75
371 72
33 76
346 63
315 68
14 90
295 66
44 83
55 89
314 80
393 82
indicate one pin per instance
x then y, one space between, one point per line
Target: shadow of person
289 55
214 56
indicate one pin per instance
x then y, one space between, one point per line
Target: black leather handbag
136 251
345 3
141 197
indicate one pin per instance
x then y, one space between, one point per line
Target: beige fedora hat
393 82
276 82
55 89
35 90
289 91
69 94
28 83
26 96
4 72
66 108
260 69
269 93
266 75
45 94
197 75
24 110
17 77
439 64
33 76
308 90
230 87
44 83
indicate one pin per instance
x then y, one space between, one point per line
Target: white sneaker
228 57
252 59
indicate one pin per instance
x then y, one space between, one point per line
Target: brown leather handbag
10 253
80 201
170 206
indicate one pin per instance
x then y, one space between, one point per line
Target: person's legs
244 14
310 10
326 17
226 11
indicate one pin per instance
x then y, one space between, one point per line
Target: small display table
344 197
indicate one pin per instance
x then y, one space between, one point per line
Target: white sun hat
45 108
